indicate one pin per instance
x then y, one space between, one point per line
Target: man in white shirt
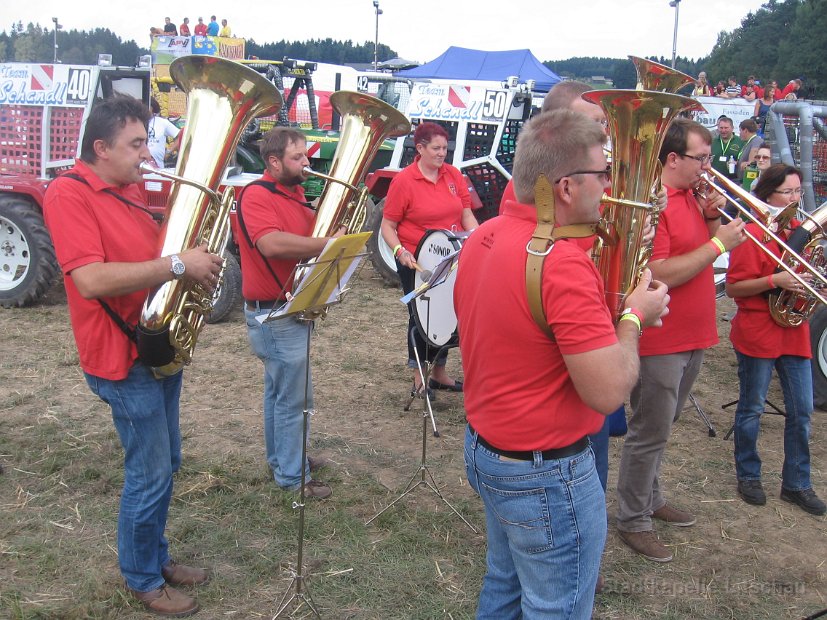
157 132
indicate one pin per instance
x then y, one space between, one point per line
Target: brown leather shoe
317 489
182 575
647 545
674 516
167 601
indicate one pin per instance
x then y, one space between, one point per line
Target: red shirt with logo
264 212
754 332
690 323
417 204
518 393
88 226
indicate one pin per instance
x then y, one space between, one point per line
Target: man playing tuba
106 240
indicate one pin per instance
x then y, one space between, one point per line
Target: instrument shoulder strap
158 217
271 187
125 327
540 246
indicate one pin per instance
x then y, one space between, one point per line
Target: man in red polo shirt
274 223
531 400
106 242
689 238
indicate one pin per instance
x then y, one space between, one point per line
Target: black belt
263 304
526 455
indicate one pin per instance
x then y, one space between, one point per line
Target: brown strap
541 244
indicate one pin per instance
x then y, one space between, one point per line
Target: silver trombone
768 217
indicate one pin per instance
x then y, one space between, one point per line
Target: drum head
434 310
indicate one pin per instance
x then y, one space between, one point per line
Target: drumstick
425 274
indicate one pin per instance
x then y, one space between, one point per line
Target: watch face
178 266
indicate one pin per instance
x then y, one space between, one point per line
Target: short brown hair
276 141
678 134
772 178
562 94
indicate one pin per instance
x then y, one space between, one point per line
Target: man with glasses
689 237
534 393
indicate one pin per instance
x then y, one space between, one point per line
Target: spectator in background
790 91
762 107
702 88
733 88
201 28
752 141
169 27
225 31
725 148
756 88
777 95
157 131
212 29
720 89
763 160
184 29
748 93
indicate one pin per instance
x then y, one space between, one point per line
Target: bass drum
434 309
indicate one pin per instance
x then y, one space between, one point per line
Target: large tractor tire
229 293
381 254
28 267
818 342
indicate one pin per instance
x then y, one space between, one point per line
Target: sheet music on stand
324 280
439 274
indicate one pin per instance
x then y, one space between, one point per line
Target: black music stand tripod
423 473
322 285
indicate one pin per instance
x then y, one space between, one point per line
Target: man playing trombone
689 238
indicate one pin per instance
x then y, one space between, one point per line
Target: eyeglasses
701 159
762 157
789 192
607 173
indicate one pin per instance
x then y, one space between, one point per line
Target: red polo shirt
90 226
417 204
265 212
518 394
754 332
690 323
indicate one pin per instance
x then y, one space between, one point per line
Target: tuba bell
654 76
222 98
638 120
366 122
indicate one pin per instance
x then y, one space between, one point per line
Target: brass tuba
638 121
654 76
366 122
790 309
222 98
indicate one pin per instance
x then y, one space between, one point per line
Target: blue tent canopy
459 63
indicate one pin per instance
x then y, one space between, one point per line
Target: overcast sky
421 30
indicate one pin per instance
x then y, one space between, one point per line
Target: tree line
782 40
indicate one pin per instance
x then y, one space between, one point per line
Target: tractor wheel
818 342
28 266
229 293
381 254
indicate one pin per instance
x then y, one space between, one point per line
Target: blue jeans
546 528
282 346
600 447
145 412
754 374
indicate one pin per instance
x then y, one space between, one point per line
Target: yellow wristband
631 316
396 249
717 243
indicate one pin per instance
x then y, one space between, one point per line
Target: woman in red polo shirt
428 194
760 345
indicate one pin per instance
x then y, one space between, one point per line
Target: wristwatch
178 267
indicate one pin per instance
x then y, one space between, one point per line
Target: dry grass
59 492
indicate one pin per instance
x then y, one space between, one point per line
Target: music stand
322 285
440 273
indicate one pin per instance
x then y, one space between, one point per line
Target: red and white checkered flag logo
459 96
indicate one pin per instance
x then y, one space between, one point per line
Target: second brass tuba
366 122
222 98
638 121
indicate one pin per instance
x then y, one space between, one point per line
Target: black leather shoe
807 500
752 492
